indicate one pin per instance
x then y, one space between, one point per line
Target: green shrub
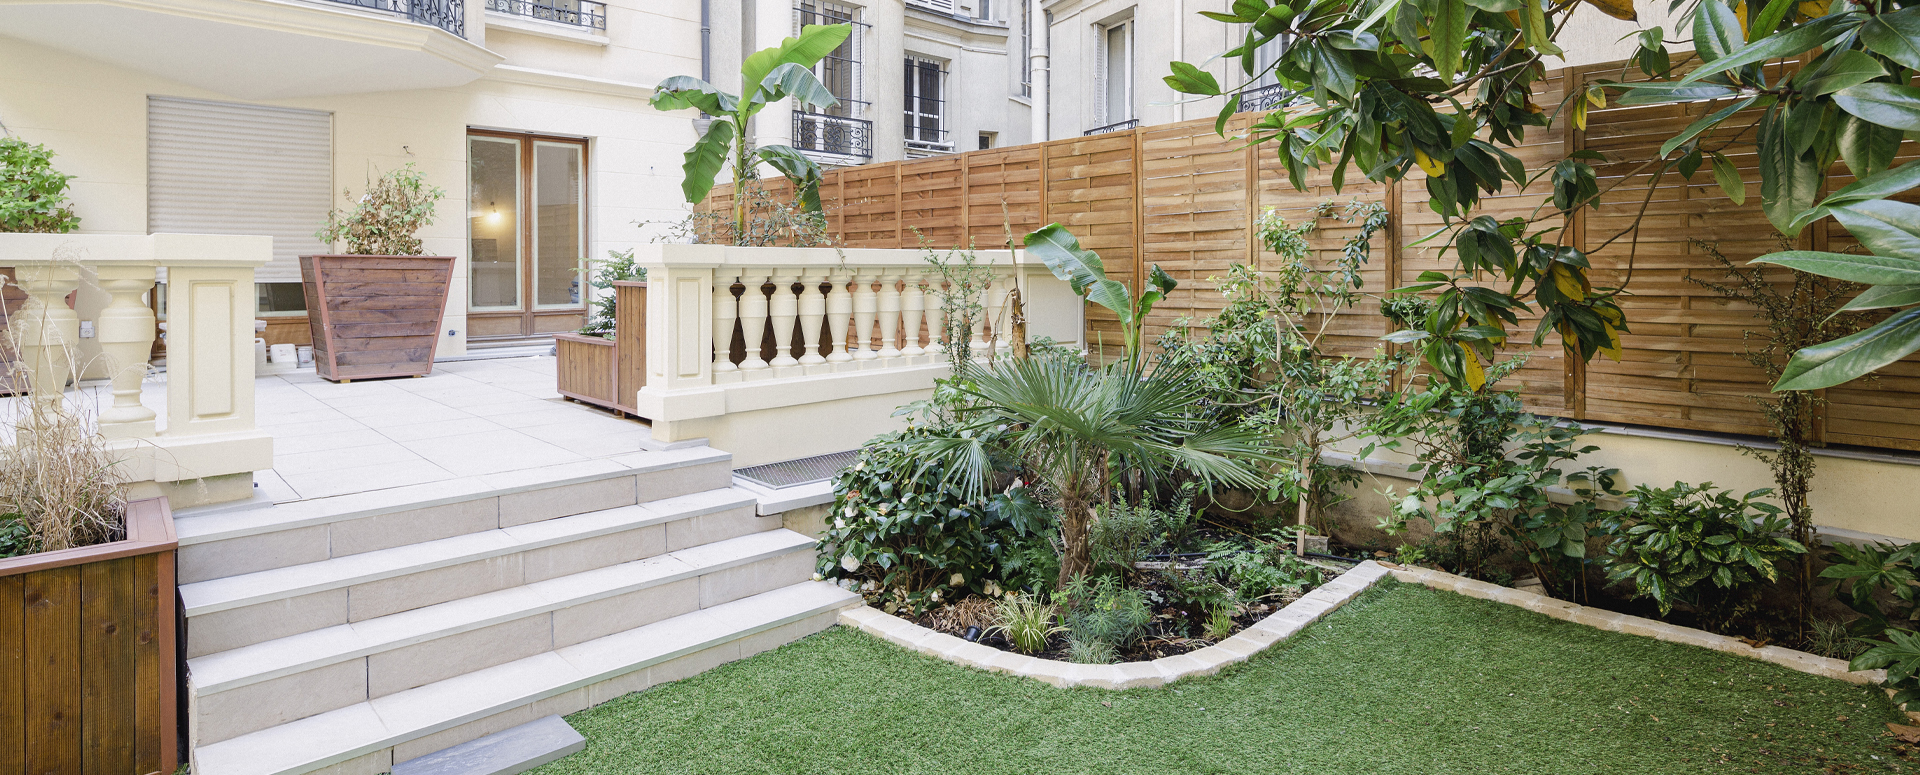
1694 545
1102 610
900 532
618 267
1026 622
16 536
1878 581
33 195
383 221
1266 569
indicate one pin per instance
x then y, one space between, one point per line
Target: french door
527 229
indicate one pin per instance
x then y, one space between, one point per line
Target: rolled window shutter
223 168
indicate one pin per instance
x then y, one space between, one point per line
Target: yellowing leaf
1597 95
1580 115
1612 315
1514 16
1470 368
1570 283
1814 9
1618 9
1428 165
1612 347
1740 12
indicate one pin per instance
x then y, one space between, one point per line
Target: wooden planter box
605 372
88 678
375 316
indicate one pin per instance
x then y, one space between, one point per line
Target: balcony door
527 231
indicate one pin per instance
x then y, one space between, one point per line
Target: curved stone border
1603 619
1277 627
1309 608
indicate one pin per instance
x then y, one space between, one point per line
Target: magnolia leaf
1618 9
1649 93
1890 229
1851 267
1533 28
1706 122
1878 186
1187 79
1789 182
1448 24
1885 104
1895 36
1716 30
1728 176
1884 296
1794 41
1769 20
1868 148
1845 69
1851 357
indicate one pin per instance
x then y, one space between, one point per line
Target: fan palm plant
766 77
1079 429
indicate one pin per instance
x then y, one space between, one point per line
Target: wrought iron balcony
1117 126
449 15
839 138
1271 97
579 13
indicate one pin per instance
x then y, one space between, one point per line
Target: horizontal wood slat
1187 199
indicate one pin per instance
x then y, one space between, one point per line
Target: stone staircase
350 634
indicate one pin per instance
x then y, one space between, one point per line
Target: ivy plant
33 195
766 76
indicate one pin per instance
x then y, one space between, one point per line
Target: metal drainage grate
793 473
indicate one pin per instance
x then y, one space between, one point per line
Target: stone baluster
1003 286
913 304
936 311
125 332
866 305
839 311
726 309
45 331
980 298
753 316
890 312
813 311
784 308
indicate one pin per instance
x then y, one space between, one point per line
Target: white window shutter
225 168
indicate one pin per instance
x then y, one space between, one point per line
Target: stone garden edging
1603 619
1277 627
1283 623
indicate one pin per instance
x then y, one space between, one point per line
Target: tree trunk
1077 559
1306 498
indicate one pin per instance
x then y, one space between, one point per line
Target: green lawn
1403 680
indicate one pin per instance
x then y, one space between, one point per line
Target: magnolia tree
766 76
1381 87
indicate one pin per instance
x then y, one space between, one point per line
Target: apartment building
252 116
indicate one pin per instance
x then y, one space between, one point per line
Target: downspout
706 42
1038 30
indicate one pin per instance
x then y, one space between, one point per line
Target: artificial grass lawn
1403 680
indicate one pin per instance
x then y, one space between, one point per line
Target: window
1026 50
985 9
926 124
938 6
840 134
986 140
527 233
1115 70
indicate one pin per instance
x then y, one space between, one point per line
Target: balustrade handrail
449 15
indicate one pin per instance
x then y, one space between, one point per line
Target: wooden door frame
526 214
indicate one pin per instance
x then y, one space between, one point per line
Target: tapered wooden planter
604 372
375 316
87 655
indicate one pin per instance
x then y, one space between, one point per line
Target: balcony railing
837 137
579 13
449 15
938 6
1117 126
1270 97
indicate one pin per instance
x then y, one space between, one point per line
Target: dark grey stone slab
508 752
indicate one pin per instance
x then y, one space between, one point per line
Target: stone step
510 752
371 737
227 613
233 543
255 687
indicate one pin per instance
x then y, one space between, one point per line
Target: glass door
527 226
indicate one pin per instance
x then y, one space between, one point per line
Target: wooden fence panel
1184 198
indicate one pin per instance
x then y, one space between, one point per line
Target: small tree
1802 313
767 76
33 195
383 221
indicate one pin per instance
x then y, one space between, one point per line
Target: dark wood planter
87 655
605 372
375 316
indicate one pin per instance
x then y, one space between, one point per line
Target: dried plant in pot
376 309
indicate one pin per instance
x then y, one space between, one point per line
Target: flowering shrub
909 541
384 220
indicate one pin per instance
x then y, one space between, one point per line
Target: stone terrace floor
468 418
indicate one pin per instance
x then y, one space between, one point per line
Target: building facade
253 117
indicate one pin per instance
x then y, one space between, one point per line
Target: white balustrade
866 304
869 308
784 307
208 447
913 305
1003 289
890 313
977 344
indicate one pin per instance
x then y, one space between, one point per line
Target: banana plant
767 76
1083 270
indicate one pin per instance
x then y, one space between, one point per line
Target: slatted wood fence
1187 199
